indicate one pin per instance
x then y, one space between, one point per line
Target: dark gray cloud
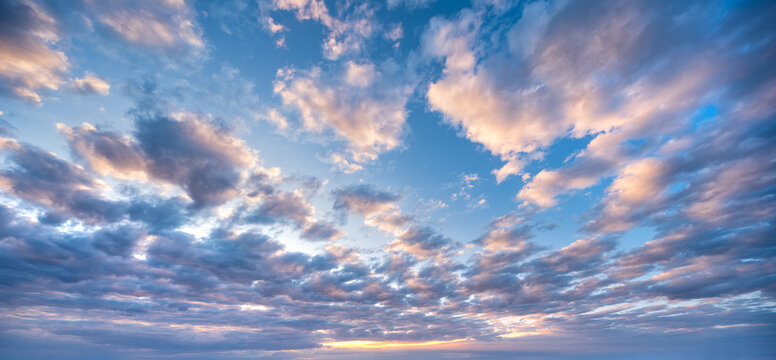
118 241
202 158
189 151
321 231
282 206
159 214
287 207
55 184
363 199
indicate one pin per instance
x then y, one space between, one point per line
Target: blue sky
388 179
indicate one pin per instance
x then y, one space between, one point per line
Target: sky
337 179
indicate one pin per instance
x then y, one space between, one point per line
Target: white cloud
277 119
90 84
164 25
274 27
394 33
306 9
360 75
346 33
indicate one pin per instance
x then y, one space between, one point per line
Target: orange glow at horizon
369 344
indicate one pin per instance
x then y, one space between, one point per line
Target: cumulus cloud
712 180
180 281
231 273
31 63
169 26
189 150
507 233
421 242
511 275
28 60
574 72
88 259
52 182
106 152
359 75
184 149
361 106
90 84
379 208
347 32
281 206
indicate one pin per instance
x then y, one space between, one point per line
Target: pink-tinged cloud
168 25
90 84
29 60
369 120
184 149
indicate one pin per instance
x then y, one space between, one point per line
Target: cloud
28 61
82 264
306 9
361 106
90 84
31 63
364 199
229 256
467 184
570 72
280 206
359 75
504 235
421 242
169 26
55 184
410 4
187 149
107 153
580 255
379 208
544 188
274 27
719 177
347 32
34 253
394 33
205 160
119 241
184 149
277 119
319 230
158 214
